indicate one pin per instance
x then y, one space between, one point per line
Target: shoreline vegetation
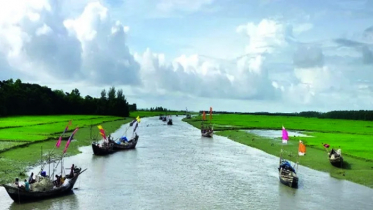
23 137
353 136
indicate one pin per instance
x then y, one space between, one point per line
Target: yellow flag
100 127
138 118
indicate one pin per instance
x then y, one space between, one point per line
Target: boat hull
337 162
126 147
106 150
289 179
208 134
22 196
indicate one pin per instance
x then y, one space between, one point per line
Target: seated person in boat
286 165
31 178
27 185
57 181
16 182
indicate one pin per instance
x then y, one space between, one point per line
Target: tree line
17 98
338 114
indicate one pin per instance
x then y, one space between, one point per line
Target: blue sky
300 55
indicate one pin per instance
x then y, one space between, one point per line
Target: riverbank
23 137
358 166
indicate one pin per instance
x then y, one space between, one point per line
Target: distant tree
17 98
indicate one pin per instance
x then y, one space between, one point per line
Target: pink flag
285 136
59 142
68 141
60 139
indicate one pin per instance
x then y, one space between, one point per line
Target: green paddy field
23 137
352 136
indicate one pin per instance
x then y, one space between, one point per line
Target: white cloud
181 5
89 47
54 42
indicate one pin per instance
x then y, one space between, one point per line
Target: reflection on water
275 133
174 168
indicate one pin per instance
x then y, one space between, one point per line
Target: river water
173 167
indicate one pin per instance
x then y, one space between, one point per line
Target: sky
237 55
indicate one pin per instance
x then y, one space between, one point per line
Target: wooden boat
207 131
20 195
103 149
287 174
169 122
335 158
130 145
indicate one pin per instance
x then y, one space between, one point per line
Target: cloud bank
41 41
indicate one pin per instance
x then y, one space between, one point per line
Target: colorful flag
285 136
301 149
58 144
102 131
138 118
204 115
68 141
210 113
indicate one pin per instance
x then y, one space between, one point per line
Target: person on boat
16 182
27 185
286 165
31 178
62 180
57 181
72 171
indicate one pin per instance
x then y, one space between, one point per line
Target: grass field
39 128
21 138
354 138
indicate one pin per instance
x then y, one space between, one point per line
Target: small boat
20 195
207 131
169 120
131 144
287 174
335 157
103 148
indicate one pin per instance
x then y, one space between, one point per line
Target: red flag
102 131
68 141
204 115
326 145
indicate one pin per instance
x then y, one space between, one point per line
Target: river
173 167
